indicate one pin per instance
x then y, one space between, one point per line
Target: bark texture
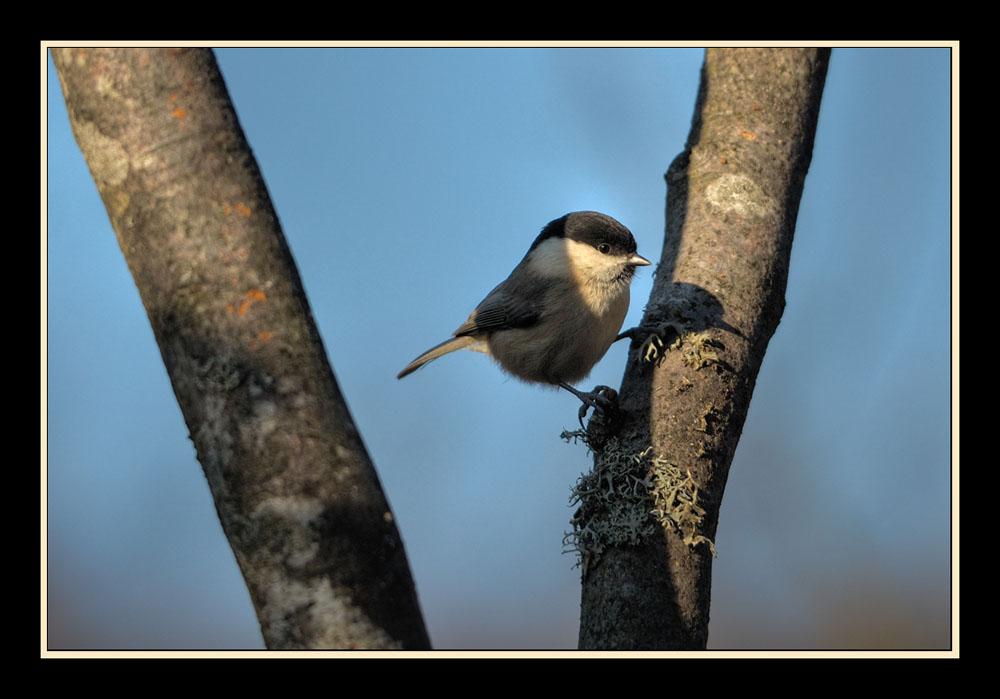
732 200
295 490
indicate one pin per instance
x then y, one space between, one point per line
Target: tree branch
294 487
732 200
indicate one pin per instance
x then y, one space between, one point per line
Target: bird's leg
603 398
632 334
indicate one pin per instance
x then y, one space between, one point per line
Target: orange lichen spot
748 134
265 335
723 161
239 206
179 113
248 300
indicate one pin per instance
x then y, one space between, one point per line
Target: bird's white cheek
597 277
551 260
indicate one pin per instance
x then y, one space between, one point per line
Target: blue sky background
409 182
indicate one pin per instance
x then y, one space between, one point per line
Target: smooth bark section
732 200
294 487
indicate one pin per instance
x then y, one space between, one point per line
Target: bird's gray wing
502 311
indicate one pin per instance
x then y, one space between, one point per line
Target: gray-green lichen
107 157
700 355
627 498
741 195
675 502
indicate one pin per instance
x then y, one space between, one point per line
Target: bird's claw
602 398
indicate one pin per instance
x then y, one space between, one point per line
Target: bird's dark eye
604 248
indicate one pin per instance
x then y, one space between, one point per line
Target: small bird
558 312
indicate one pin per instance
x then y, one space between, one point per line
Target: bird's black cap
592 228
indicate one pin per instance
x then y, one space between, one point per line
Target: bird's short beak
638 260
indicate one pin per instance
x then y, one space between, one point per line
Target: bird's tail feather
452 345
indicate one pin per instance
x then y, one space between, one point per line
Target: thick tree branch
732 200
293 484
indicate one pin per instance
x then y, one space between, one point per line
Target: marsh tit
558 312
